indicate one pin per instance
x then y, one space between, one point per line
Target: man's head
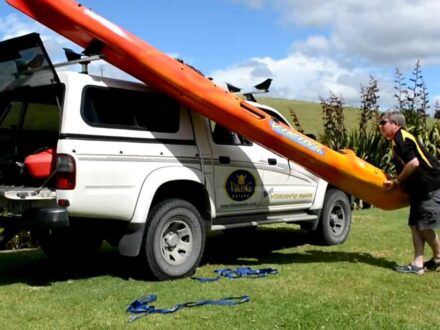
390 122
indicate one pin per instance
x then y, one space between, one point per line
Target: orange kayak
177 80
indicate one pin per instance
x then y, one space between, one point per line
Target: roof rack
262 87
85 61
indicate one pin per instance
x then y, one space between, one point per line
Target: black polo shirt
426 177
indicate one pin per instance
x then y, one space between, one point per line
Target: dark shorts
425 214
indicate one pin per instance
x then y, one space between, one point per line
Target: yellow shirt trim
406 135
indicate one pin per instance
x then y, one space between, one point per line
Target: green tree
335 134
369 105
413 100
367 142
295 120
437 109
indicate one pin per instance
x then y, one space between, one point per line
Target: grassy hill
309 113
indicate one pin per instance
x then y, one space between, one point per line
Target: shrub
335 134
21 240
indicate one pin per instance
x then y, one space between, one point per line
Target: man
419 174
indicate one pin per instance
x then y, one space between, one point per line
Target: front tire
335 219
174 239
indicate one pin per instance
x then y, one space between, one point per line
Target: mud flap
130 243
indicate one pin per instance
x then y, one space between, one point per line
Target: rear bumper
36 218
33 219
45 218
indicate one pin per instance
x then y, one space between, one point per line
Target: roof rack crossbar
85 61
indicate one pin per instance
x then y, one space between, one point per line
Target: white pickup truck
85 159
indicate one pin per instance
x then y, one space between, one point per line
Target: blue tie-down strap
238 273
140 307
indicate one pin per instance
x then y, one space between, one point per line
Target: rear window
24 62
128 109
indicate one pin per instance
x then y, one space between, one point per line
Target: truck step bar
238 222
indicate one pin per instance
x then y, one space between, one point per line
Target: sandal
409 269
431 265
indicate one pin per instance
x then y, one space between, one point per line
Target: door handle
271 161
224 160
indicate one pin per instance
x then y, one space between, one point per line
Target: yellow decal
295 196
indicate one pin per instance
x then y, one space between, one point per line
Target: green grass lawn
310 114
350 286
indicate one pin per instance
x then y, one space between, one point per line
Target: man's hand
389 184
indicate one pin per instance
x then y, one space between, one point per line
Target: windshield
20 59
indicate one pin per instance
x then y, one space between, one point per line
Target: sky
308 47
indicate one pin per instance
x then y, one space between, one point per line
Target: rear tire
174 239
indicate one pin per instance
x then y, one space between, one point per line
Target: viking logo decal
240 185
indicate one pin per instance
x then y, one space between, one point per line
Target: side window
276 116
222 135
127 109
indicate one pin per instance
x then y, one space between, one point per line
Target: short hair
395 116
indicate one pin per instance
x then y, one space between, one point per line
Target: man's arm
407 170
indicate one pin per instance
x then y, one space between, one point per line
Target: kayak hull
167 75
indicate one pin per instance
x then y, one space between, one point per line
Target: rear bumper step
33 219
46 218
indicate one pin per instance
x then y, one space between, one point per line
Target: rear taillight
66 172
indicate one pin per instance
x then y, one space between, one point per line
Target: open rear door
20 59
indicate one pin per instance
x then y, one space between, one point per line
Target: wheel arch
321 189
170 182
349 196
